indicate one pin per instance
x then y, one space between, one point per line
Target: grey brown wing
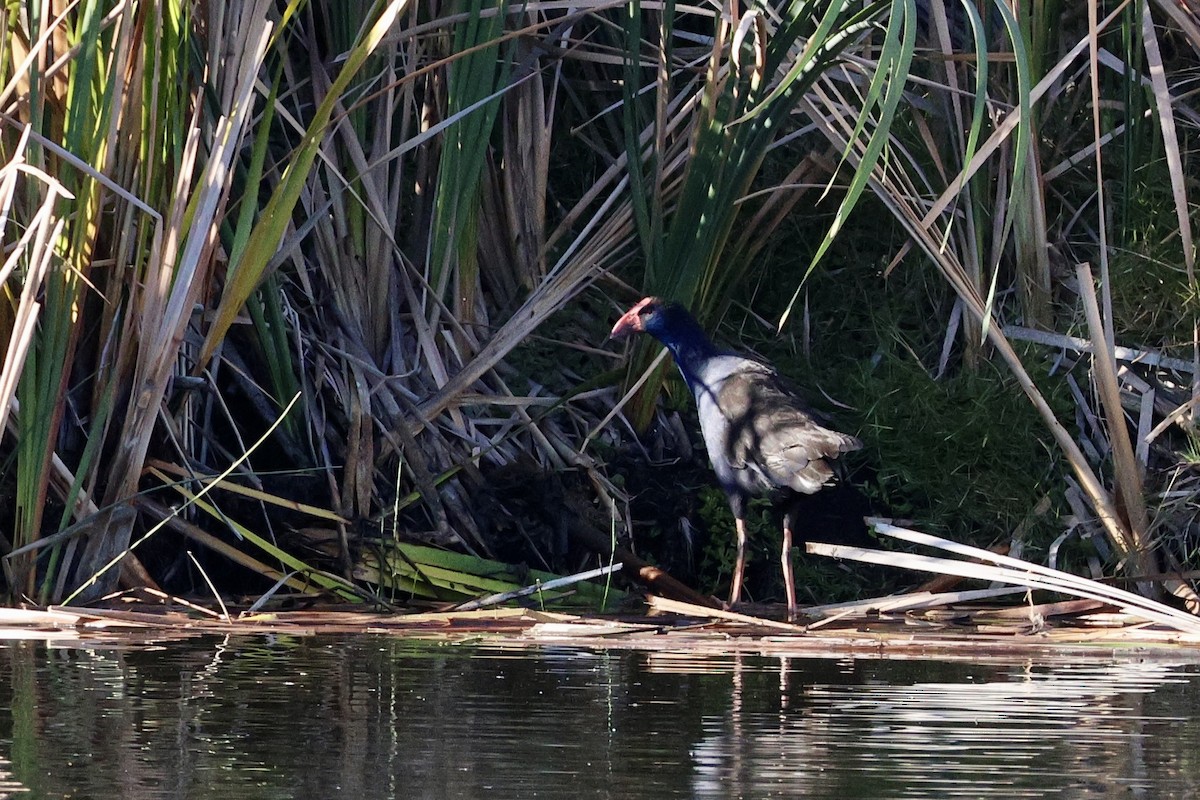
772 434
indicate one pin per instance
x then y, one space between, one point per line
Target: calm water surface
378 717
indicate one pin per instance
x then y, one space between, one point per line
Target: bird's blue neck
689 345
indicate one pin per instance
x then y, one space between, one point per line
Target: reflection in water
1109 730
370 716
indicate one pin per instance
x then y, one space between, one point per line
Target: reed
254 201
703 145
411 216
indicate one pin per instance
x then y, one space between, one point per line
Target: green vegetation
412 224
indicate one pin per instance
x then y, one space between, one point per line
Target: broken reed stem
1134 533
211 587
1007 570
503 597
1077 344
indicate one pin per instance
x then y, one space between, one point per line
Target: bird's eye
646 310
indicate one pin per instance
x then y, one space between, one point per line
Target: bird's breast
717 428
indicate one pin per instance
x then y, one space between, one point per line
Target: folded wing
772 435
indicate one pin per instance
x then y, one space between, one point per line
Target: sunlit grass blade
884 93
263 241
758 71
474 83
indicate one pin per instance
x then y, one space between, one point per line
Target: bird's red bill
631 322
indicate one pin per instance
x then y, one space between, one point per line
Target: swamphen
760 437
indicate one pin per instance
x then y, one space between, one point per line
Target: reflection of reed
10 786
1011 733
367 717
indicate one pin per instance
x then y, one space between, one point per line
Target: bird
761 438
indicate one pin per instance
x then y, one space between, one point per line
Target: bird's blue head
667 321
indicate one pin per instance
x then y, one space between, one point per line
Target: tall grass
703 146
992 216
344 201
210 209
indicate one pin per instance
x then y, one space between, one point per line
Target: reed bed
291 283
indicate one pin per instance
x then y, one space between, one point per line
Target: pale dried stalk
1128 479
34 248
176 278
1006 570
1166 121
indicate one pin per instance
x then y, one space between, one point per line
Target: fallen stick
906 602
1151 358
1012 571
644 573
668 606
557 583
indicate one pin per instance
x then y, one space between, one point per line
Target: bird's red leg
789 582
735 590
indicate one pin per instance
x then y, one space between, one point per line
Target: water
378 717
